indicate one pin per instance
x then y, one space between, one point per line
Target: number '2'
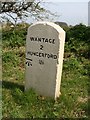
41 47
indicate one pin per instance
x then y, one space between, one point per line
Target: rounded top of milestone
57 27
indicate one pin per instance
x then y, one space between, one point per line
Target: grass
73 102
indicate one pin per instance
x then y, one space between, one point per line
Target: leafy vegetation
21 10
73 102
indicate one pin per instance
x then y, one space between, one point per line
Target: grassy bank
73 102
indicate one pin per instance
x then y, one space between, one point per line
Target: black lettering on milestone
46 40
50 40
48 55
55 56
35 39
53 41
45 54
35 53
40 54
41 47
32 38
51 56
29 62
43 39
30 53
41 62
29 59
39 39
27 53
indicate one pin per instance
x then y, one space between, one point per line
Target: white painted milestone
44 58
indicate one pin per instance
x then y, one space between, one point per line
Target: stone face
44 58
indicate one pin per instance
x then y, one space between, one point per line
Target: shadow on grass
12 85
